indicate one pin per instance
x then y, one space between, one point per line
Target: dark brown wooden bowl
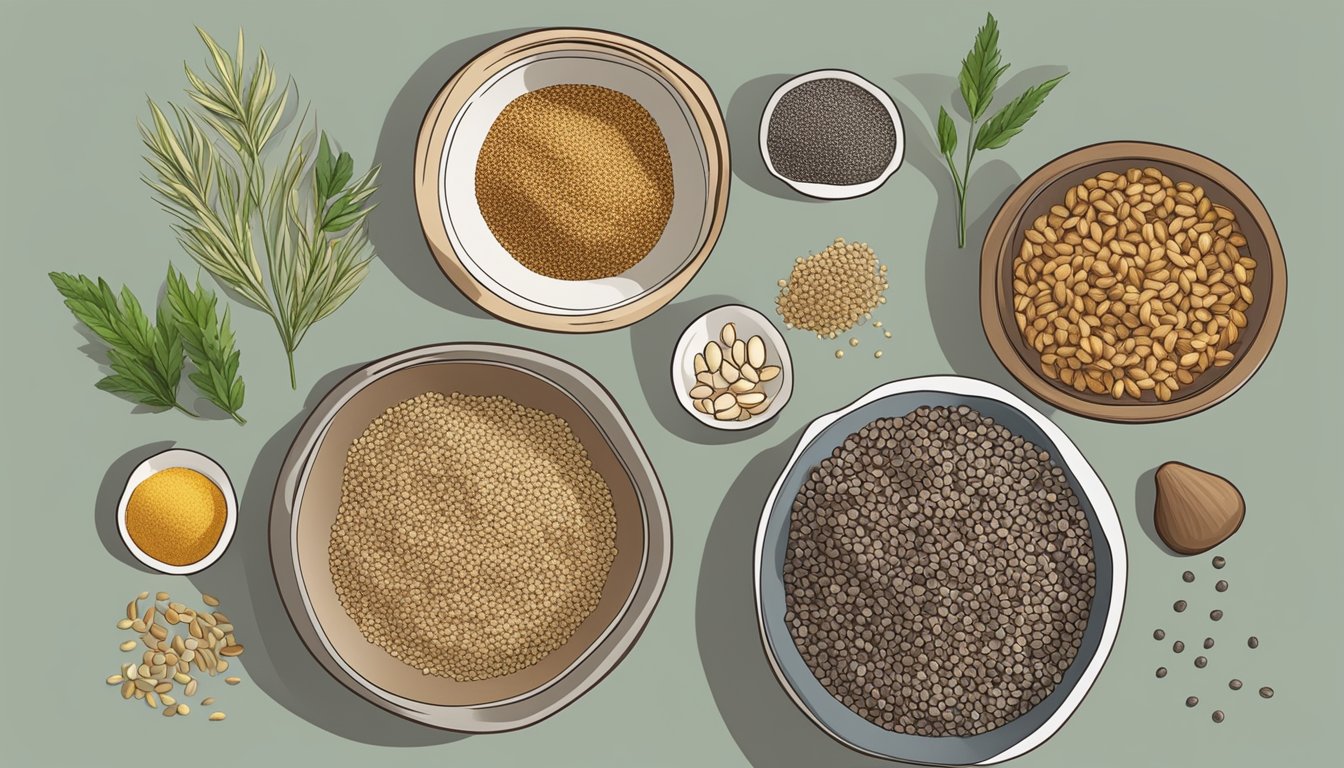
1046 187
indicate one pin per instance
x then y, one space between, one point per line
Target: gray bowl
1041 722
307 497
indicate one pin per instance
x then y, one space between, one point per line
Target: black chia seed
830 131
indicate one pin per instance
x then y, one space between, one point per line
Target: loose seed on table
1253 642
115 680
1188 576
1219 561
853 342
1201 662
839 353
1266 693
1179 606
1221 586
233 680
1216 615
216 716
210 600
1191 701
207 701
878 353
129 645
1161 671
1159 634
1218 715
1234 684
1178 646
1208 642
183 709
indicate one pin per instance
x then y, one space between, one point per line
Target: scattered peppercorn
1219 561
1216 615
1253 642
1161 671
1191 701
1234 684
1266 693
1179 606
1188 577
1208 643
1201 662
1158 634
1221 586
1218 715
1178 646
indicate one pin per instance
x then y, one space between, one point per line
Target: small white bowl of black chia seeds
832 135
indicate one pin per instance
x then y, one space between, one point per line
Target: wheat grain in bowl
1134 282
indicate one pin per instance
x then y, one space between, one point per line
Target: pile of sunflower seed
188 643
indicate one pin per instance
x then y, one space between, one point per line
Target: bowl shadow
109 494
952 274
394 226
746 108
652 342
278 661
767 726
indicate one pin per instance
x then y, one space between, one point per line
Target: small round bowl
748 322
308 496
185 459
1046 187
456 126
834 191
1038 724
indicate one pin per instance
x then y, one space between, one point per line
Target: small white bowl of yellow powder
178 512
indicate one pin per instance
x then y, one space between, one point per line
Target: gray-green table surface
1253 85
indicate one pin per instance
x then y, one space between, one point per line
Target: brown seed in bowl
1120 306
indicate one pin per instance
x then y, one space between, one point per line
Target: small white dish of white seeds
731 368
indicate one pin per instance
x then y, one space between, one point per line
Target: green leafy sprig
979 78
208 341
230 208
147 360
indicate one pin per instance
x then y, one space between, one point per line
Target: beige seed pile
188 643
575 181
1134 284
474 535
830 292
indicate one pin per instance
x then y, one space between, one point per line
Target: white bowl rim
835 191
682 354
1089 482
184 458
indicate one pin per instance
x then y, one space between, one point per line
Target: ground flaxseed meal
939 574
575 181
474 535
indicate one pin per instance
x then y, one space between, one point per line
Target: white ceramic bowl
455 129
1032 728
834 191
180 457
748 323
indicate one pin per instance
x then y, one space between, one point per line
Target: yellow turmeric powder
176 516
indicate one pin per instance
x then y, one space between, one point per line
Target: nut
729 379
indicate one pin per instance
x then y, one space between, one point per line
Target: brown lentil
921 538
575 181
830 292
1133 284
473 537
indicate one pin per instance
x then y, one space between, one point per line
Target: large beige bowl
307 498
454 130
